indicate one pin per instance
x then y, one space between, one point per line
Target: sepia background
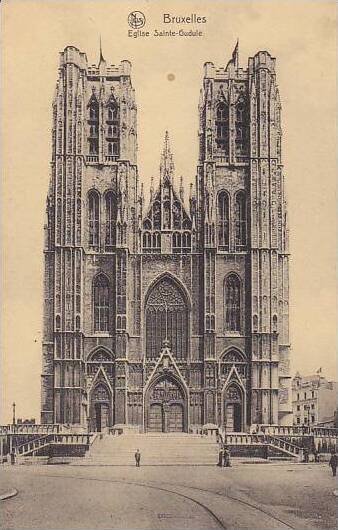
301 35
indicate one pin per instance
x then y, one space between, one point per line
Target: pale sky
301 35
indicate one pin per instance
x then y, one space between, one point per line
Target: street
245 496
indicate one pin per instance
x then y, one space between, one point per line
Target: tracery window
233 394
223 220
157 215
240 220
110 219
101 303
93 122
101 356
112 135
94 219
241 127
166 318
232 302
101 393
177 215
222 127
112 113
234 358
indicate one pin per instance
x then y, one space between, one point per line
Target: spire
167 164
101 55
181 189
235 55
234 61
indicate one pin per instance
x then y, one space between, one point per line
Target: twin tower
168 316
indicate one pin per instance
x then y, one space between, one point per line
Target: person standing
226 457
137 458
333 463
220 456
315 455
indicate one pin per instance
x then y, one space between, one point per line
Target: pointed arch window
93 122
94 219
241 127
177 215
101 393
157 215
222 126
240 221
234 358
112 113
223 220
166 318
232 303
111 211
112 135
101 303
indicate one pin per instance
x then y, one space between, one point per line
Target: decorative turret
167 167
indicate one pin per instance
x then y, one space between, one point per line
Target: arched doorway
166 406
101 408
233 409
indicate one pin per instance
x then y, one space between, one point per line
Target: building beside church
314 400
172 315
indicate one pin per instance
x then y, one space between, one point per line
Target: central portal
166 404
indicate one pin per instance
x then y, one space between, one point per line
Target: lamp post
307 408
13 405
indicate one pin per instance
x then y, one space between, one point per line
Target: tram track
164 486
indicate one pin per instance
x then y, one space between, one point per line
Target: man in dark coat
220 456
333 463
226 457
137 458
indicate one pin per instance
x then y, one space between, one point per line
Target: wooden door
155 419
237 417
104 416
229 417
175 420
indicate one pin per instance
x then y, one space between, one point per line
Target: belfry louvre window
101 303
223 220
241 128
232 303
240 221
222 127
112 134
93 122
94 219
166 318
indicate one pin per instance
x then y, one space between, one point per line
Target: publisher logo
136 19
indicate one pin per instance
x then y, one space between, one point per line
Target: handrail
33 445
67 439
292 430
283 444
31 428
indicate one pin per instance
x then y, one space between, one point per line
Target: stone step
155 449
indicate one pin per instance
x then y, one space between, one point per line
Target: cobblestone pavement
262 496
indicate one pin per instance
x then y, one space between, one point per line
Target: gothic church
172 315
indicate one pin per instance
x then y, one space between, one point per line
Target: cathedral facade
174 314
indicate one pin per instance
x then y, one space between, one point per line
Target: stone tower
243 231
92 224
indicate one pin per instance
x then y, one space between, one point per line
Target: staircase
156 449
279 448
